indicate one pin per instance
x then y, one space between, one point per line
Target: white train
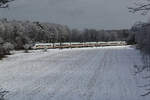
77 44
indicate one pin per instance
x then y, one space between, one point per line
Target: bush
26 48
7 47
1 51
131 39
45 49
1 40
1 48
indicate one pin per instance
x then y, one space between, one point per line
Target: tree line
16 34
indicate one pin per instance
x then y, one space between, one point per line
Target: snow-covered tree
7 47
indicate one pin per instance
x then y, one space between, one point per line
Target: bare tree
142 38
143 7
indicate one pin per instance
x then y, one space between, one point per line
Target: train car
42 46
77 44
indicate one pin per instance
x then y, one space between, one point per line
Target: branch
148 93
4 3
140 7
3 93
146 77
147 85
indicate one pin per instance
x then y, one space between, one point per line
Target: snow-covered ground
105 73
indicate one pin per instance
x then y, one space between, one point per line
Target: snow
104 73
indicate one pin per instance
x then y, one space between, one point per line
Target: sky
98 14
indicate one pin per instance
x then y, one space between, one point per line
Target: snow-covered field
105 73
